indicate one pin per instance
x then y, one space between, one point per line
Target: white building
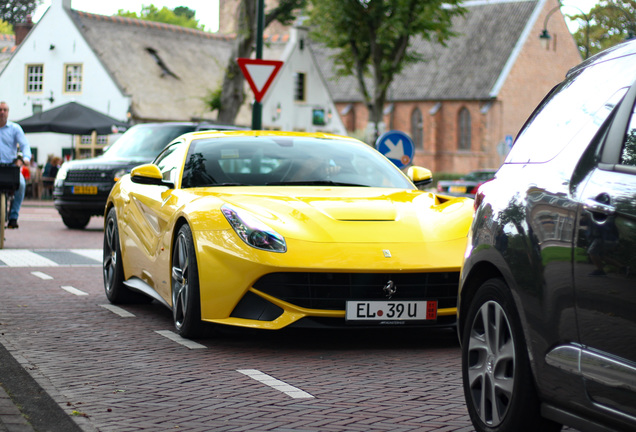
138 71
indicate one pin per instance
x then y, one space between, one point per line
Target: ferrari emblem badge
389 289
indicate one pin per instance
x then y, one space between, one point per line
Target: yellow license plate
85 190
457 189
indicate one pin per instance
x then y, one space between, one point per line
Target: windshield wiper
313 183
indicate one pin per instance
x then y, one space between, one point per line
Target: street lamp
545 35
629 17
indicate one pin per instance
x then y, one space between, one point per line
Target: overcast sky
207 11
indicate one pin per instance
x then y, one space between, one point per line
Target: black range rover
82 186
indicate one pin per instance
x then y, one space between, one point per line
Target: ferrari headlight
252 231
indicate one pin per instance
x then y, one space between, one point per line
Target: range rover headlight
119 174
61 176
61 173
252 231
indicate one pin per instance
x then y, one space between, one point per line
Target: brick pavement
113 373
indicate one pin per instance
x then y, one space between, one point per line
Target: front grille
89 176
330 291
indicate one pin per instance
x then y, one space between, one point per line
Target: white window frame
73 77
34 78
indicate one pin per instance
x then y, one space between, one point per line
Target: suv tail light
479 193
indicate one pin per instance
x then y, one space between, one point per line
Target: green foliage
610 23
16 11
181 16
5 28
377 32
185 12
213 99
371 38
285 12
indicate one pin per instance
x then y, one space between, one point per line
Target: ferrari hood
356 214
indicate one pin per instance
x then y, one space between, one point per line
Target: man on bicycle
12 139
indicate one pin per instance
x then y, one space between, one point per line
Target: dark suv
82 186
547 301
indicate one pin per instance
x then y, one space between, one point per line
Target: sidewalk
25 405
11 419
30 202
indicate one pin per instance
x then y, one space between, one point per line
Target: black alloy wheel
498 383
186 303
113 269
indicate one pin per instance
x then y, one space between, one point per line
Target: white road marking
95 254
41 275
178 339
73 290
117 310
24 258
281 386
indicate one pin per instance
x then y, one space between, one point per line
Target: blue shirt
10 136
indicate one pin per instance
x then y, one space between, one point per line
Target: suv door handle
600 207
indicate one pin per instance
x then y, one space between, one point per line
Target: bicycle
9 183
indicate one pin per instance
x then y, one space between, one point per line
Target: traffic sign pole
257 109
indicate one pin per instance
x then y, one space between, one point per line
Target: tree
5 28
610 23
371 39
180 16
16 11
230 96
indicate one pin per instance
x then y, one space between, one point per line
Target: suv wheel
498 382
76 221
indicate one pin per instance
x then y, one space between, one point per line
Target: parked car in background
547 300
268 230
467 185
82 186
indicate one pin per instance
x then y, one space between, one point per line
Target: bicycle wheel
3 217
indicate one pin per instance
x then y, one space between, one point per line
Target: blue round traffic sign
397 147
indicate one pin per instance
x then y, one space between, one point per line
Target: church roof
467 68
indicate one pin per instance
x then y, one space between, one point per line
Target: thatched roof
166 69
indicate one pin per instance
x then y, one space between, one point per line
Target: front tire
113 269
186 301
498 383
78 221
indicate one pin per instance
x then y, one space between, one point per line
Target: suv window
628 155
145 142
574 111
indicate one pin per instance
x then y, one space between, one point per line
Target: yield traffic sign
259 74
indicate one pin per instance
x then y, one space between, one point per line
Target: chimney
22 30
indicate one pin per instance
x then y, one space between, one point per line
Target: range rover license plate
391 310
84 190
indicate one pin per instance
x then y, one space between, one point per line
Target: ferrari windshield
288 160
